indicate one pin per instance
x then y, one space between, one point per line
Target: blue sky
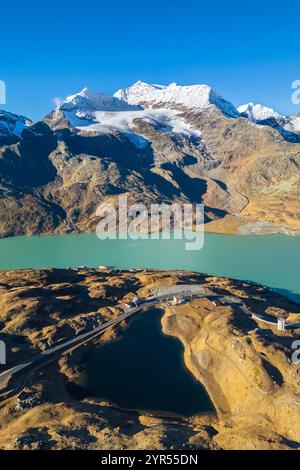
247 51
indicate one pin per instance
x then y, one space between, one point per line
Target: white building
281 324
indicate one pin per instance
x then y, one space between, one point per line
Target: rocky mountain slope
157 144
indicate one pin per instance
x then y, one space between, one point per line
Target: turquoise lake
272 260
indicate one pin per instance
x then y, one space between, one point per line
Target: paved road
14 380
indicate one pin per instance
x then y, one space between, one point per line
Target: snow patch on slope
164 120
296 124
293 123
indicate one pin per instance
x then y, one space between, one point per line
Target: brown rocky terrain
245 365
247 175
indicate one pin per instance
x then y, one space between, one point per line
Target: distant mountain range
156 143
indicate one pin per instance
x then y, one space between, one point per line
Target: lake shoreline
235 225
270 260
159 360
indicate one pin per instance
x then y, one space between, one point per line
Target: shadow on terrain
273 372
33 168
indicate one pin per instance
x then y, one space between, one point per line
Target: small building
136 301
217 303
177 300
281 324
2 352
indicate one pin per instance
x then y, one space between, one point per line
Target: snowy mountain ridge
194 97
13 124
157 144
160 106
165 107
258 112
88 100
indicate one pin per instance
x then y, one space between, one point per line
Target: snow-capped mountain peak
193 97
133 94
13 124
82 106
164 107
258 112
88 111
88 100
287 126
